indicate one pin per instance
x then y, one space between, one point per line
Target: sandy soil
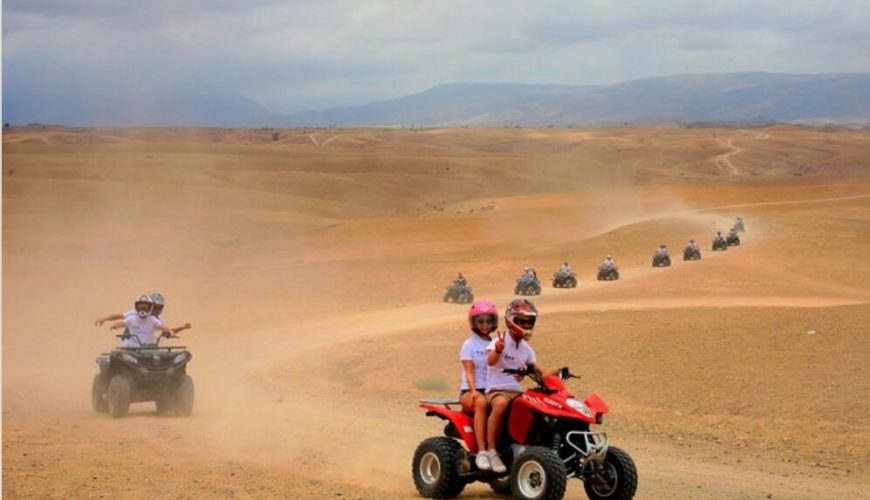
312 269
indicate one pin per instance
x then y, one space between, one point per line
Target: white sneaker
482 461
496 463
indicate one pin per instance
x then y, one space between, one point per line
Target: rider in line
608 263
483 320
663 250
692 245
529 272
143 323
512 351
719 237
460 280
566 268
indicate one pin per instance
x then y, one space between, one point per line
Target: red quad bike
546 440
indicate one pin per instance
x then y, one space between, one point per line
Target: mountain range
744 98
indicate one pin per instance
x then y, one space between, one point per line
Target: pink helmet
521 311
482 308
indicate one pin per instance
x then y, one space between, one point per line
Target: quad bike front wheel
118 396
435 468
183 400
98 394
538 474
617 479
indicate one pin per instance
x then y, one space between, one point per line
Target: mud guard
520 420
463 423
596 404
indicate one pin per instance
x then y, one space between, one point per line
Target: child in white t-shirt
142 324
483 320
511 351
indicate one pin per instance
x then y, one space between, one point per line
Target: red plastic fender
596 404
461 421
520 419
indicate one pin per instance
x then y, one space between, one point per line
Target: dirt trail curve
723 162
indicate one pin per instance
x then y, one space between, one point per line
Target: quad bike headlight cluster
129 358
181 358
579 406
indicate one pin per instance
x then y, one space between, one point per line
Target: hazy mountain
732 97
671 100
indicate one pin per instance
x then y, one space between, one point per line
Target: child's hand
499 344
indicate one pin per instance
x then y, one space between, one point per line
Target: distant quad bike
149 372
739 227
563 279
460 294
720 245
691 253
733 240
608 273
660 260
546 440
527 286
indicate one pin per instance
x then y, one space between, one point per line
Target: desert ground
312 266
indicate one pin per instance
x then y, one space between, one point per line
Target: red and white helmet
482 308
520 317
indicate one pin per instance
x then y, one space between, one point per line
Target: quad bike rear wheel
98 394
435 468
538 474
119 396
617 479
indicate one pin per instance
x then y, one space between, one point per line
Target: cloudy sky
293 55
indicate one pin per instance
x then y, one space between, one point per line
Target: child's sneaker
482 461
496 463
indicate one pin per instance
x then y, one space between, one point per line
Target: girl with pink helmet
483 320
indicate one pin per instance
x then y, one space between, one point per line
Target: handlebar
564 373
163 335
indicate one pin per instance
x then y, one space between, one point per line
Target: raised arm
494 355
181 328
111 317
117 325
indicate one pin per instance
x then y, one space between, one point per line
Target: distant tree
276 136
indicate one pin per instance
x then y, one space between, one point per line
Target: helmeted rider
158 303
511 350
483 321
142 324
608 262
529 273
719 236
566 268
460 280
692 245
662 250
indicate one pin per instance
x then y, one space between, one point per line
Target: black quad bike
691 253
733 240
527 286
461 294
148 372
720 245
660 260
608 273
564 279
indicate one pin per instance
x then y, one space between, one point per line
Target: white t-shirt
512 357
130 313
141 328
474 349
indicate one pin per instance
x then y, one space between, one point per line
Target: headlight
579 406
129 358
181 358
